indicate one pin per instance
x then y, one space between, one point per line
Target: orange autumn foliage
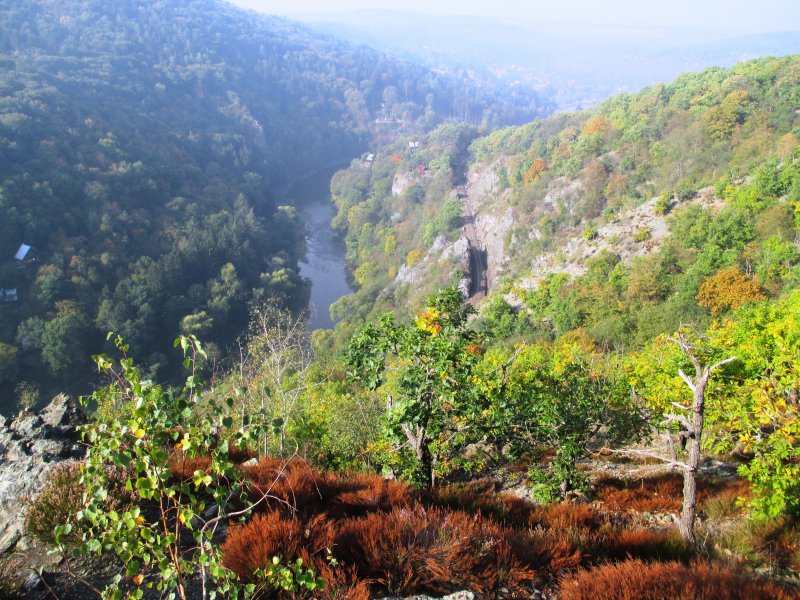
662 493
537 168
728 289
597 124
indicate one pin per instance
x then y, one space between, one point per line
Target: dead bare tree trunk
693 432
418 441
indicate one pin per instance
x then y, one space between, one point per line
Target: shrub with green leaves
662 204
425 371
567 401
166 538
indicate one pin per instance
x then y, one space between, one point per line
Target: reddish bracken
661 494
566 516
480 497
357 494
252 546
295 486
644 544
433 550
389 537
636 580
184 467
290 484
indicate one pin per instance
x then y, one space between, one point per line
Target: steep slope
612 220
143 149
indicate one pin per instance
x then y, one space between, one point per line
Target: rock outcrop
456 596
446 258
30 444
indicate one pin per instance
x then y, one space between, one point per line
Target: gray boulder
455 596
30 445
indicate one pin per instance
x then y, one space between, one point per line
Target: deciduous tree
424 369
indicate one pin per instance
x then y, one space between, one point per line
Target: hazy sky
718 16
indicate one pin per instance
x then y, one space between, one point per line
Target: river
324 262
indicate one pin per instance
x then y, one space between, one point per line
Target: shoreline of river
323 262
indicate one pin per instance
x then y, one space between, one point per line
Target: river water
324 262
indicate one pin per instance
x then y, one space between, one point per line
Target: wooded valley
568 367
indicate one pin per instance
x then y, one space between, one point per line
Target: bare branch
510 361
688 348
647 454
686 380
722 362
680 419
266 495
410 436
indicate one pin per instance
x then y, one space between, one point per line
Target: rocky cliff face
443 259
30 444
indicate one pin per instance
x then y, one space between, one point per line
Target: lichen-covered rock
30 444
455 596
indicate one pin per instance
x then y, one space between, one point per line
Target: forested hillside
614 412
145 150
610 220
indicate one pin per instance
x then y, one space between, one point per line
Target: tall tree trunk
689 511
694 434
426 464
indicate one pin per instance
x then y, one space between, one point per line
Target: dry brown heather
638 580
391 538
662 493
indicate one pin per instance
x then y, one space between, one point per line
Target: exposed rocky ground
30 444
633 232
443 257
636 232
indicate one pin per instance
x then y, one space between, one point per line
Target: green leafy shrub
433 384
685 190
561 398
662 204
642 234
168 533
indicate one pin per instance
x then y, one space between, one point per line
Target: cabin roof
9 295
22 252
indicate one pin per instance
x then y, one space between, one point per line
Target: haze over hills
579 64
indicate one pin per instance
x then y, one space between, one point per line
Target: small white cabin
8 295
22 253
